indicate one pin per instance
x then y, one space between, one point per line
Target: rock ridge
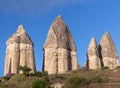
19 52
59 49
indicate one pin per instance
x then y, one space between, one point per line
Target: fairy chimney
93 60
19 52
108 53
59 49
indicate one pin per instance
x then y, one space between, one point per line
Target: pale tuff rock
20 36
59 35
93 60
19 51
57 85
59 49
108 53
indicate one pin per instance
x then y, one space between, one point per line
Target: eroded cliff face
59 49
93 60
104 55
108 51
19 51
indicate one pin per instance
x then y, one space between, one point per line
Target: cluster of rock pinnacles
59 51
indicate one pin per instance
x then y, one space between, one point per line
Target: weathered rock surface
93 61
108 53
57 85
19 51
59 49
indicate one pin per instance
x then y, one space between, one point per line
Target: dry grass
92 78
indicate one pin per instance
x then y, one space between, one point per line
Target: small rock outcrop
93 60
59 49
19 52
108 53
57 85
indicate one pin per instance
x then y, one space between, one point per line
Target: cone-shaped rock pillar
59 49
93 60
19 52
108 53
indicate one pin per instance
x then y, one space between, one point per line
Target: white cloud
33 7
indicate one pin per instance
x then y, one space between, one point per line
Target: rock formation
59 49
108 53
93 60
19 52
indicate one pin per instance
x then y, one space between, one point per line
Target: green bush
46 79
44 73
41 74
77 82
6 78
99 79
104 68
57 76
41 83
38 84
26 70
38 74
18 77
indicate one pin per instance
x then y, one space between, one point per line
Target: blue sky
85 19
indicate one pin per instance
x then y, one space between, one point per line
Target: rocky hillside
82 78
